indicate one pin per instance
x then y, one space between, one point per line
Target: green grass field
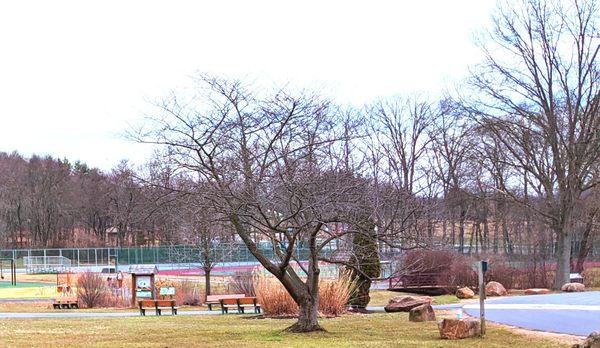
28 290
375 330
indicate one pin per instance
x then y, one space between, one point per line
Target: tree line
50 202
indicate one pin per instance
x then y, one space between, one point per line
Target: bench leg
158 311
174 311
210 306
142 312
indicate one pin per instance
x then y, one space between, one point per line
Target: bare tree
539 97
449 157
265 160
402 126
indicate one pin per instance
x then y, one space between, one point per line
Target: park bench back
165 303
158 306
247 301
66 299
217 298
229 301
147 303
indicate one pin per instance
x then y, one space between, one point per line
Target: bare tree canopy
538 99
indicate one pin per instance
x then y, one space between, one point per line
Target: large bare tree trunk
307 317
563 259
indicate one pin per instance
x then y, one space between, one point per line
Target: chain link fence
229 254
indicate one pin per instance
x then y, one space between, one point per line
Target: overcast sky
74 74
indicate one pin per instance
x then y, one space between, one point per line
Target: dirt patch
556 337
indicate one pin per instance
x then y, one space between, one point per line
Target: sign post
481 269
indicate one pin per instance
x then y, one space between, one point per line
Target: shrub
243 283
335 294
448 267
186 291
500 271
275 300
456 270
114 301
528 273
591 277
91 289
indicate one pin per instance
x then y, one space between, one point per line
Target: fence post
481 269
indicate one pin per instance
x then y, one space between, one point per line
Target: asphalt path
66 313
568 313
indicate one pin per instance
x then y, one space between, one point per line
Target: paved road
572 313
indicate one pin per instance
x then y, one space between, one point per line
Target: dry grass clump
272 296
335 294
591 277
275 300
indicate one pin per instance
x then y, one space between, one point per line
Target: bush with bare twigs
91 289
243 283
445 267
527 273
188 292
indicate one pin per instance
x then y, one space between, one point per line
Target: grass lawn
382 297
375 330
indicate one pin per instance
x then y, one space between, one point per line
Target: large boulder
495 289
454 328
406 303
592 341
423 312
573 287
537 291
465 293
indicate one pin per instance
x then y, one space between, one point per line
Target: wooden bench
239 304
216 299
158 306
65 303
249 302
